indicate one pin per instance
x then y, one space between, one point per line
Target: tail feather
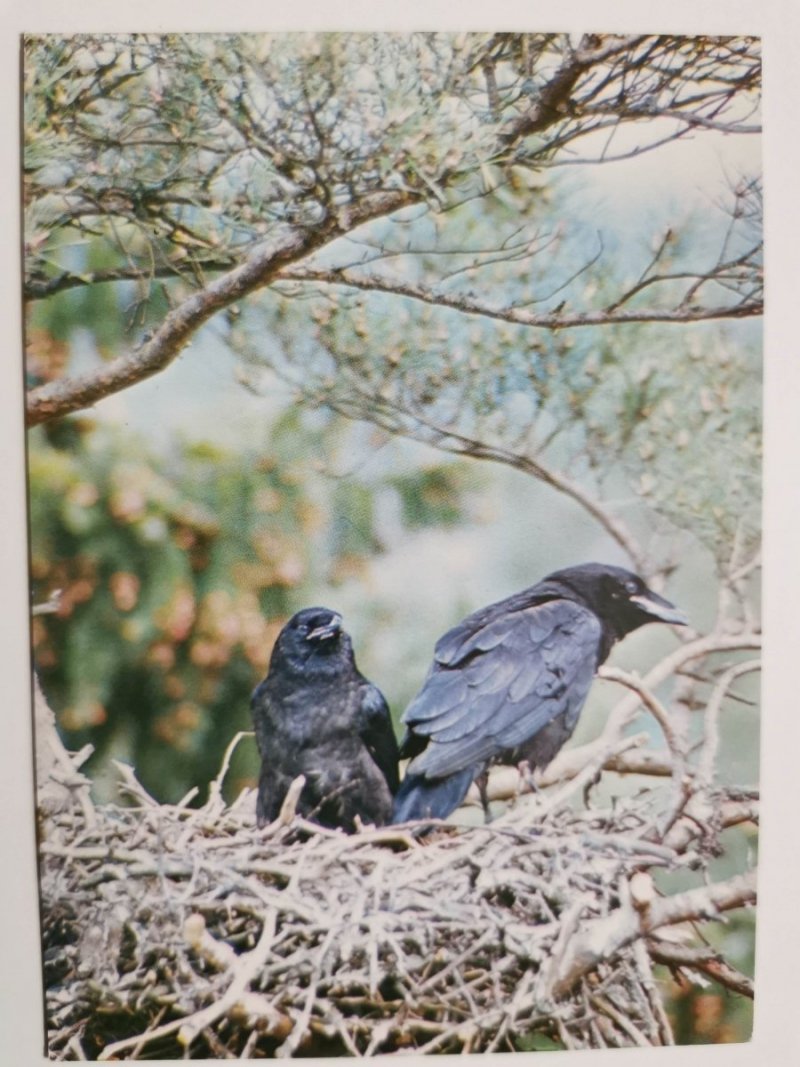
431 798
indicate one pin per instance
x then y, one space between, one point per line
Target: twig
642 959
705 769
650 701
617 1017
215 787
291 1043
290 802
704 960
547 976
244 971
50 607
131 784
218 953
588 773
602 938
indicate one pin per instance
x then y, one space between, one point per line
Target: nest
173 931
176 931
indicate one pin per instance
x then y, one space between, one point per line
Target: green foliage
678 416
693 444
176 574
177 571
538 1042
163 159
177 151
430 497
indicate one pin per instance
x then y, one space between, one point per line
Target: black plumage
316 715
508 683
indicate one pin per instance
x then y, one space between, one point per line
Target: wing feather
377 733
504 682
442 690
457 724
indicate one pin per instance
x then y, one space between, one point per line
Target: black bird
508 683
316 715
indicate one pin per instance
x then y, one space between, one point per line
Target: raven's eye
631 587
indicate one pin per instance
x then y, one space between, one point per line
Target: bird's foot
587 789
482 782
525 772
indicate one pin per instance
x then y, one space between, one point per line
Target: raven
316 715
508 683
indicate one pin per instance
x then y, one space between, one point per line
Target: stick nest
171 931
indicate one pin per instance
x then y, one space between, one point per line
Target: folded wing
377 733
497 681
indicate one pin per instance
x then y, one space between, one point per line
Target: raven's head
313 638
619 598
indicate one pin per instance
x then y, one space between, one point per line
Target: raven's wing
495 685
260 712
377 733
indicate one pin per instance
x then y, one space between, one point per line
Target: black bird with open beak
316 715
507 684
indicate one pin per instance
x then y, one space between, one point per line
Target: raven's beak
330 629
657 608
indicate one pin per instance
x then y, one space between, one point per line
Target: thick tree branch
600 939
288 243
618 78
59 782
718 813
505 783
551 103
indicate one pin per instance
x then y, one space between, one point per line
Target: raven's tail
431 798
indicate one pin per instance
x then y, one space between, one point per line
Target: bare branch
704 960
551 104
504 782
675 740
601 938
650 701
692 120
396 420
706 767
260 268
470 304
694 649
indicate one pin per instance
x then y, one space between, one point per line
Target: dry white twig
368 943
707 764
601 938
